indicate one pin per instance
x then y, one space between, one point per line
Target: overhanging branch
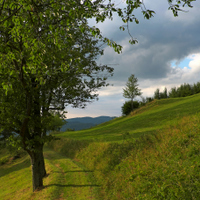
11 14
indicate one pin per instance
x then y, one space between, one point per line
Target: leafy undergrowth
164 165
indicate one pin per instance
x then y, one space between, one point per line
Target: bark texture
38 167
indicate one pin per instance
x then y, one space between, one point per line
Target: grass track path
73 182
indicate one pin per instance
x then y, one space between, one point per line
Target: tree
182 91
5 134
56 122
163 95
131 90
173 93
196 88
127 107
47 61
149 99
157 94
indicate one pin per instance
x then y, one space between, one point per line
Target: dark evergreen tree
163 95
157 94
173 93
196 88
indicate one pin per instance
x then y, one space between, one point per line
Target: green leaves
148 14
133 41
176 7
47 51
117 48
48 55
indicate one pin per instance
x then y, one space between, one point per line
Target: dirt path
72 181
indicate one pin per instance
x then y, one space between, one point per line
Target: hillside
148 119
81 123
154 153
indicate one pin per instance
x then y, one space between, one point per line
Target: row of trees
131 91
181 91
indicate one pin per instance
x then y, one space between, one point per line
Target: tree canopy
48 60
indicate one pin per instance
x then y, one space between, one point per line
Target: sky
167 55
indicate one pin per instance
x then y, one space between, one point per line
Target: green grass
145 120
163 165
154 153
66 179
73 180
158 160
166 167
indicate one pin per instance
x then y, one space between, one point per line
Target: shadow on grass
9 168
84 171
71 185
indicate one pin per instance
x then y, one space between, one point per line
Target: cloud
162 39
192 74
176 76
111 98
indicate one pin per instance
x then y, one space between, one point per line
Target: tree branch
2 6
11 14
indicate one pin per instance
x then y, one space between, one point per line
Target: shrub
126 108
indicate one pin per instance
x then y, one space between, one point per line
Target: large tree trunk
38 167
43 170
37 158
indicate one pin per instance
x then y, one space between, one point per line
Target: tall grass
152 154
163 165
166 167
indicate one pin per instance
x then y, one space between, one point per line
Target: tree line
131 91
183 90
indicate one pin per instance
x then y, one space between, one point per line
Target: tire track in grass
74 182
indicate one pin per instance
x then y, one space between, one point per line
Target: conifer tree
131 90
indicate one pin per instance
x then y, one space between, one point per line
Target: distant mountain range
81 123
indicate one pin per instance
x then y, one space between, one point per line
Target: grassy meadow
148 119
154 153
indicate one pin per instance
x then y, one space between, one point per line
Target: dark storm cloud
161 40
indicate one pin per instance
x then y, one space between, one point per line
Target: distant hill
81 123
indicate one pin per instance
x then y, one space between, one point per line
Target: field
148 119
151 154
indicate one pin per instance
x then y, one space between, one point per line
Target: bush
126 108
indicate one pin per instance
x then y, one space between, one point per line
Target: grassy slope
145 120
66 180
160 165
